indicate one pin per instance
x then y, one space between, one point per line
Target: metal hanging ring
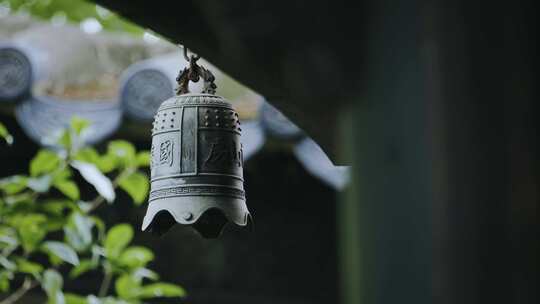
193 73
188 58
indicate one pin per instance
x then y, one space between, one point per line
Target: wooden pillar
386 234
488 212
443 206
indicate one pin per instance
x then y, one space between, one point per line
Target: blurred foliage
49 232
4 134
75 11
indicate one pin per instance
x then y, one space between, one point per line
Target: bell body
196 166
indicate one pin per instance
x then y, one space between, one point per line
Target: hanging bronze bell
196 161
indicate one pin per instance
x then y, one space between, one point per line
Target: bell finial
193 73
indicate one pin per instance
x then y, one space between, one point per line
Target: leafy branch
31 221
74 11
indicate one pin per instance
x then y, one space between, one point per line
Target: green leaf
92 175
136 185
68 188
7 264
31 229
52 284
56 206
123 152
57 298
5 134
75 299
78 125
143 159
83 267
54 224
55 260
117 239
107 163
8 238
24 197
61 174
88 155
5 278
40 184
161 290
72 138
44 162
78 231
29 267
127 288
13 184
144 273
135 257
83 207
62 251
64 139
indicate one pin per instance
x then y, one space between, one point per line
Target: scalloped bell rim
189 210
